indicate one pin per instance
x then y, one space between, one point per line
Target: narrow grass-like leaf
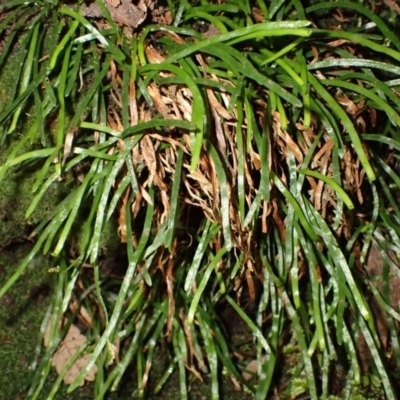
174 210
25 157
58 220
158 240
94 246
108 17
377 360
266 28
113 48
31 87
337 178
225 196
74 357
55 338
94 154
61 46
299 213
329 181
101 128
371 226
347 124
368 94
329 123
355 62
222 348
198 108
238 63
253 209
315 292
95 86
211 354
241 159
76 201
256 331
208 233
386 32
203 283
76 64
9 40
337 256
360 39
168 372
208 17
297 328
282 52
137 342
115 376
133 260
9 18
61 99
266 370
25 78
231 8
382 88
290 256
179 343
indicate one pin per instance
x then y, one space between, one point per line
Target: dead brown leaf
286 137
68 144
170 290
315 53
113 3
251 370
158 101
121 230
123 12
150 159
393 5
69 346
184 101
83 313
162 16
338 42
215 104
133 104
153 55
339 16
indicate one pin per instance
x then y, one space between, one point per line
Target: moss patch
21 313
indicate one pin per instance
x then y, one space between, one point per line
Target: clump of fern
236 166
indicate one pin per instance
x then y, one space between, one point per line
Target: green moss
21 313
15 197
16 185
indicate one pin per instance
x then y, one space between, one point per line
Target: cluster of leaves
236 162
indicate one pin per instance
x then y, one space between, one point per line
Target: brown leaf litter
72 341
